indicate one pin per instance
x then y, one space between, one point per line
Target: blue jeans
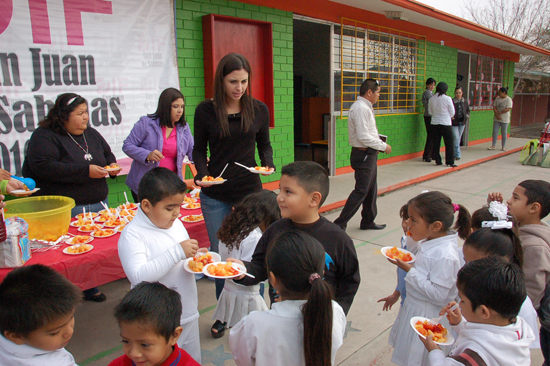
457 135
503 131
214 212
92 207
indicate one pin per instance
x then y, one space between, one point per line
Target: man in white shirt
366 144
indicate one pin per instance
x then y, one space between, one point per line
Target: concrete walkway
96 341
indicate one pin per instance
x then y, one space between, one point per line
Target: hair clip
497 225
456 207
498 210
72 100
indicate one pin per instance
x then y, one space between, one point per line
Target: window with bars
395 59
486 77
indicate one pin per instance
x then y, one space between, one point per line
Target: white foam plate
73 223
107 236
89 231
186 206
81 215
183 219
70 240
122 207
22 192
449 336
237 266
262 172
383 250
215 258
214 182
66 250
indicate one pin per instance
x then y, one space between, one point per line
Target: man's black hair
538 191
430 81
311 176
159 183
495 283
34 296
368 84
153 304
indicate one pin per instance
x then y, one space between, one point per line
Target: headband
313 277
72 100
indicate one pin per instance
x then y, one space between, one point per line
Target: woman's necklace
87 155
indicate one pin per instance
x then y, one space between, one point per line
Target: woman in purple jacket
159 139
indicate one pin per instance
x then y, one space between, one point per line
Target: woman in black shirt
66 158
230 125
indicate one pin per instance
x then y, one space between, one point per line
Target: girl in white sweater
240 232
305 322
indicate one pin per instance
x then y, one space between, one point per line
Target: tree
525 20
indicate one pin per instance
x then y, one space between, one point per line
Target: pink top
169 150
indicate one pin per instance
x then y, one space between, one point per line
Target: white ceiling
452 24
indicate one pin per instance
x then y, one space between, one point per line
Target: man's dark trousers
429 138
363 161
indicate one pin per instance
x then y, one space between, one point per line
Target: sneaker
491 148
503 149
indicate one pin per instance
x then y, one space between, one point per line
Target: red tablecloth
101 265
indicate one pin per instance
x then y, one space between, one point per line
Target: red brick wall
529 109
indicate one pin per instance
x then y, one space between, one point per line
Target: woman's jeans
457 135
93 207
503 131
214 212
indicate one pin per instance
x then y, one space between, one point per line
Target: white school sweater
149 253
276 337
12 354
496 346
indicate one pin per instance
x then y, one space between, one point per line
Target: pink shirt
169 150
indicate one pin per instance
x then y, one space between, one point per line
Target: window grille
397 60
487 75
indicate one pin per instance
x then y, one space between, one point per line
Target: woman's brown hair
227 65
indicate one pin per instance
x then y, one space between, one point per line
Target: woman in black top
230 125
67 158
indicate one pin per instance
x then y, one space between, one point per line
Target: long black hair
499 242
59 114
164 108
227 65
255 209
297 260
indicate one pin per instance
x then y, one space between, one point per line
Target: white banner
119 55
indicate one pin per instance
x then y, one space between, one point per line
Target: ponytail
318 325
435 206
297 260
463 222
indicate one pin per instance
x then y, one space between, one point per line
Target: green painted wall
406 132
189 15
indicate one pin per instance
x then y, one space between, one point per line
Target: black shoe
452 165
373 226
457 158
218 329
96 298
440 163
427 160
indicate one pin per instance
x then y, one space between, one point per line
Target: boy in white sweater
155 244
490 333
37 308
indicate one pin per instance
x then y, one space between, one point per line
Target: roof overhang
428 16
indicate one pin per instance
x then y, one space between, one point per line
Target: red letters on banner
40 22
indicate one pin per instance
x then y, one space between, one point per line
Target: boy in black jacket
304 187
